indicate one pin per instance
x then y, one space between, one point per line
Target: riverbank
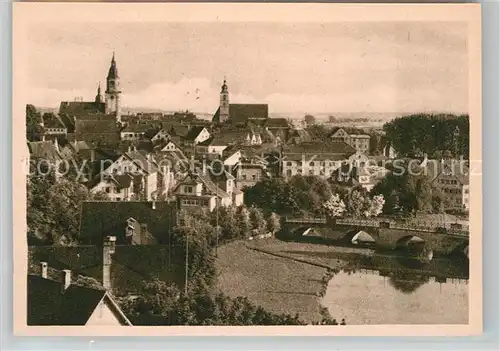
293 277
344 258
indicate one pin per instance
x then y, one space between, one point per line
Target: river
366 297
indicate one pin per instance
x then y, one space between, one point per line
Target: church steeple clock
224 103
113 91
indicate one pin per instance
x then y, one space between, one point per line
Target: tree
429 132
334 207
64 199
34 129
375 206
272 195
391 206
257 219
410 192
40 223
245 224
229 223
54 209
356 203
158 306
309 119
418 193
273 223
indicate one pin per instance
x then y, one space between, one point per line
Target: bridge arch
409 240
303 230
359 237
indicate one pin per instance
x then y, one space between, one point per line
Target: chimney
65 279
107 252
56 144
44 269
92 155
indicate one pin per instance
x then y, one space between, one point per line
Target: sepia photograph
315 167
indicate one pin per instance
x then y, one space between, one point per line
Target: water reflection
407 282
395 297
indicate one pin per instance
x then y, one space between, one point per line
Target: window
288 172
289 163
311 172
311 163
188 189
117 191
466 191
107 190
254 176
244 176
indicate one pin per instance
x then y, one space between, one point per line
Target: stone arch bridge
382 233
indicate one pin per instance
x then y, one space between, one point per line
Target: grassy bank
278 284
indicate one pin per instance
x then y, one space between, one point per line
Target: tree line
430 134
312 196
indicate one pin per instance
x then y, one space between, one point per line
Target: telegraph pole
216 223
187 268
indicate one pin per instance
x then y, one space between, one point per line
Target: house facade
136 163
134 132
361 142
118 187
451 178
200 193
315 159
248 174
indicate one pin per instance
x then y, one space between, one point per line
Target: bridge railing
464 233
305 220
375 223
358 222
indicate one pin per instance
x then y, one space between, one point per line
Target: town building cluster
152 165
173 157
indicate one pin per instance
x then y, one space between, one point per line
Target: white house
233 158
135 163
118 187
197 135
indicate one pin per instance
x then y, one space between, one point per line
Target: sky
383 67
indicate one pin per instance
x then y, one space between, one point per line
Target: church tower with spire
224 103
98 97
113 91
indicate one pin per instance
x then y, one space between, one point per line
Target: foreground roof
47 305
